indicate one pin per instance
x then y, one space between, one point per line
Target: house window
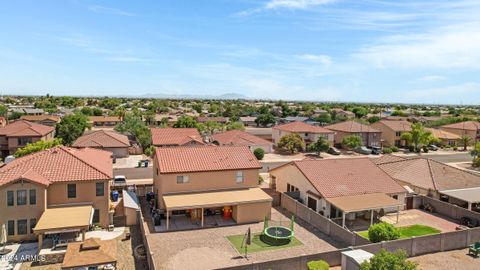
11 227
395 197
33 196
398 133
182 179
239 176
24 141
21 226
72 191
21 197
99 189
96 216
33 223
291 188
10 198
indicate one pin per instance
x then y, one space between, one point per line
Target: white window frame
239 177
184 179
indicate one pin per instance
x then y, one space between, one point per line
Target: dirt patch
455 259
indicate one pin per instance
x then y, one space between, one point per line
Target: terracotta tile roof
59 164
22 128
346 177
175 136
238 137
102 138
468 125
397 125
386 159
301 127
104 119
42 117
442 134
205 158
430 174
212 119
351 127
91 252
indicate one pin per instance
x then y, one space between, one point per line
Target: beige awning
64 219
470 195
364 202
215 199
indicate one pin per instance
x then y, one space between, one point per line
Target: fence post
442 242
329 223
469 237
414 246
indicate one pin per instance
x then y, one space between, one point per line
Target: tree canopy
352 141
186 122
36 147
135 126
321 145
292 142
385 260
418 136
71 127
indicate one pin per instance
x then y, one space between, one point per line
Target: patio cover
215 199
470 195
64 219
91 252
363 202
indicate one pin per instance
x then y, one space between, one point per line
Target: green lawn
409 231
257 244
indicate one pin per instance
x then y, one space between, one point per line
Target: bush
394 149
259 153
455 148
382 232
389 260
318 265
149 151
476 162
387 150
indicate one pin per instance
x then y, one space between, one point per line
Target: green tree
373 119
352 141
71 127
382 232
149 151
321 145
210 127
325 118
385 260
360 111
3 110
235 126
265 119
87 111
37 146
292 142
134 125
466 140
318 265
259 153
15 115
417 136
186 122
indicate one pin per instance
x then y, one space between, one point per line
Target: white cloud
432 78
109 10
286 4
320 59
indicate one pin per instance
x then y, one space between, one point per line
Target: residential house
369 135
342 113
220 120
56 190
219 180
43 119
467 128
333 187
104 121
392 130
3 121
445 137
19 133
107 140
162 137
168 119
308 132
238 137
248 121
264 133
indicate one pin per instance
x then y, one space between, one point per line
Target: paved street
459 157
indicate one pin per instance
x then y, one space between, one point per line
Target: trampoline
277 232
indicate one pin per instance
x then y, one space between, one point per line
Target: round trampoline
277 232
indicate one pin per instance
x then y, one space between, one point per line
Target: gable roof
104 119
301 127
346 177
386 159
443 135
102 138
22 128
397 125
42 117
238 137
59 164
430 174
351 127
205 158
175 136
91 252
467 125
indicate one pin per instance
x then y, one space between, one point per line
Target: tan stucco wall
278 134
388 135
368 138
252 212
22 211
57 194
130 216
460 132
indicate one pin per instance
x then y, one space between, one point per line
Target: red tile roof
42 117
301 127
238 137
351 127
467 125
442 134
59 164
104 119
102 138
22 128
346 177
175 136
397 125
205 158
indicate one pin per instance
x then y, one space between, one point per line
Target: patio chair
474 249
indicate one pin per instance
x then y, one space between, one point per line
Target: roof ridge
111 135
82 160
431 174
22 160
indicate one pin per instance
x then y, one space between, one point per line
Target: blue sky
419 51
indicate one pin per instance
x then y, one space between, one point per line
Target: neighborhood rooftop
237 137
397 125
351 126
102 138
175 136
302 127
25 128
467 125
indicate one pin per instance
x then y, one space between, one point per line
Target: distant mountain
171 96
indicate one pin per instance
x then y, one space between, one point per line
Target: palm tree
465 141
417 136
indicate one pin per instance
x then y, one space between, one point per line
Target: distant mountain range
173 96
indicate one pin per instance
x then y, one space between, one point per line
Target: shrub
383 232
389 260
318 265
259 153
476 162
387 150
455 148
394 149
149 151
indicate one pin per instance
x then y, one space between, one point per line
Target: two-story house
54 191
162 137
43 119
369 135
209 181
392 131
467 128
20 133
308 132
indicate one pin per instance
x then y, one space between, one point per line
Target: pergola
63 220
212 199
364 202
90 254
469 195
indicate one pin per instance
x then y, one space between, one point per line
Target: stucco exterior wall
312 137
130 216
460 132
252 212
